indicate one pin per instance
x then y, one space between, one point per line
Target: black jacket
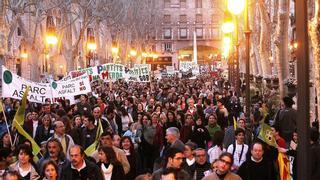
42 134
90 172
117 171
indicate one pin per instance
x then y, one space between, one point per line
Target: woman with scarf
110 167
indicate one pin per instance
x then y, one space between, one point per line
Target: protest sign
139 74
107 72
13 86
186 66
72 87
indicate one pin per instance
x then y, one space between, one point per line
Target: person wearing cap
286 120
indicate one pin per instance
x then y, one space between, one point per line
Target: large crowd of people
173 128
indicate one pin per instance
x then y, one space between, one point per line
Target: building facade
181 19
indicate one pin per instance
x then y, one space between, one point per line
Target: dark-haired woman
25 165
200 134
45 130
132 156
49 170
110 167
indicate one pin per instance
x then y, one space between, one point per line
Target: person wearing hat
286 120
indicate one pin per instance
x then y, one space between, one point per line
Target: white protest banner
13 86
186 66
170 69
139 74
107 72
142 66
72 87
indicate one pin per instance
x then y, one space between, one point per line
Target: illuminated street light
228 25
133 53
24 54
236 6
91 44
115 50
51 35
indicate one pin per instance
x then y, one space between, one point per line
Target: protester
174 158
223 170
109 165
217 148
50 170
201 165
79 167
257 167
238 150
25 165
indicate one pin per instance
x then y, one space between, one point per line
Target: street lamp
236 7
23 53
132 55
91 45
228 25
51 35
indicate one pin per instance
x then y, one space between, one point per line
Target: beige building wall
191 15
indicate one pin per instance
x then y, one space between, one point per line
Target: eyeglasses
226 162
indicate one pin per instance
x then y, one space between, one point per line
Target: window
198 18
167 19
183 18
215 33
183 33
19 33
167 47
167 3
183 3
215 19
198 3
199 32
167 33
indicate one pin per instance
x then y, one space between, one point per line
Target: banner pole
5 119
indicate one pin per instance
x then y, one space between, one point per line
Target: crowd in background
173 128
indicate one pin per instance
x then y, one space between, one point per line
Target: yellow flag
19 116
90 150
1 106
19 120
234 123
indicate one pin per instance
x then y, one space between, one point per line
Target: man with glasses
201 165
223 170
173 159
257 167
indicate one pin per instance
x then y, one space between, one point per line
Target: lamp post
236 7
51 40
302 55
91 47
133 54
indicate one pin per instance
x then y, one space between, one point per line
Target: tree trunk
314 31
265 34
282 44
